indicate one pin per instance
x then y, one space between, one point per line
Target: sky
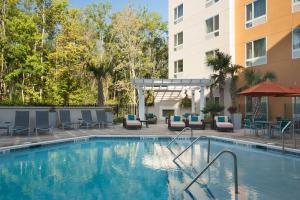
160 6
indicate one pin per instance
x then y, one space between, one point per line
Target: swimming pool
142 168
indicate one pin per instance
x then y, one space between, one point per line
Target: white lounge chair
131 122
222 123
176 123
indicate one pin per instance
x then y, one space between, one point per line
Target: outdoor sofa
176 123
131 122
223 123
195 122
152 119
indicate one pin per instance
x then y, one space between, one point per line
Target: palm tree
100 71
233 70
222 68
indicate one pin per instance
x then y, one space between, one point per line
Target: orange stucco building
267 39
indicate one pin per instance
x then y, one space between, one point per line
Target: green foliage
149 98
253 77
212 108
186 102
55 55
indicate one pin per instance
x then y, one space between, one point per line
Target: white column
141 103
202 101
193 101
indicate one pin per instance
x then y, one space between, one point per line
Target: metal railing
181 132
200 137
283 131
212 162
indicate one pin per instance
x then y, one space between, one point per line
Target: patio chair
131 122
175 123
42 122
194 122
278 127
100 118
87 120
222 123
248 125
152 119
65 119
21 122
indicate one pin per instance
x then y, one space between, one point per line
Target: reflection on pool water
110 168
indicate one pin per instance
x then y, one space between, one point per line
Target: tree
222 68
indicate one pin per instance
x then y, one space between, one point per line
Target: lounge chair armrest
138 119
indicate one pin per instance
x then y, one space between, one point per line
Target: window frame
210 2
216 33
295 50
176 71
254 19
178 19
252 59
176 39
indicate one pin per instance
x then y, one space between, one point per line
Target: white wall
195 40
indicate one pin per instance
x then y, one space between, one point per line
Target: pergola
172 86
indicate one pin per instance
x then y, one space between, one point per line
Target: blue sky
160 6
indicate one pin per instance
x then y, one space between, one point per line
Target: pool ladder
212 162
181 132
209 163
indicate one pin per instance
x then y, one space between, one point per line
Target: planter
52 119
237 120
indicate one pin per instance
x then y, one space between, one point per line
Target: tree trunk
100 99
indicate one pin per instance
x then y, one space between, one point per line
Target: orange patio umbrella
268 88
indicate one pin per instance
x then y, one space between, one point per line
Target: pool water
143 169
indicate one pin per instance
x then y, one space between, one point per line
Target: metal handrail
200 137
283 132
212 162
181 132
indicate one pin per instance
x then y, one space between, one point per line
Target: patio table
268 125
6 127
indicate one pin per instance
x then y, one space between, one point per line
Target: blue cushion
176 118
221 119
194 118
130 117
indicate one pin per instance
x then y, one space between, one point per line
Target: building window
178 68
211 53
256 52
212 25
263 111
296 43
210 2
256 13
295 6
178 14
178 41
297 107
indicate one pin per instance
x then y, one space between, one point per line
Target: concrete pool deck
153 130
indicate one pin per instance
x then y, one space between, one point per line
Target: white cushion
195 123
133 123
177 124
226 119
224 125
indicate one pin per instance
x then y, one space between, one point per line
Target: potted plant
52 117
212 108
186 102
235 117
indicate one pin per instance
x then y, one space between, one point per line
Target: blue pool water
143 169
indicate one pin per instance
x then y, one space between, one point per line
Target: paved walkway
157 130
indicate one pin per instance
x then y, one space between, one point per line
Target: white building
198 28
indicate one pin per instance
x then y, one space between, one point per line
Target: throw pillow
221 119
130 117
176 118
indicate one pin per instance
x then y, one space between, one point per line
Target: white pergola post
141 93
202 101
193 101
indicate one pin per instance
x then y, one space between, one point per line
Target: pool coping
257 145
